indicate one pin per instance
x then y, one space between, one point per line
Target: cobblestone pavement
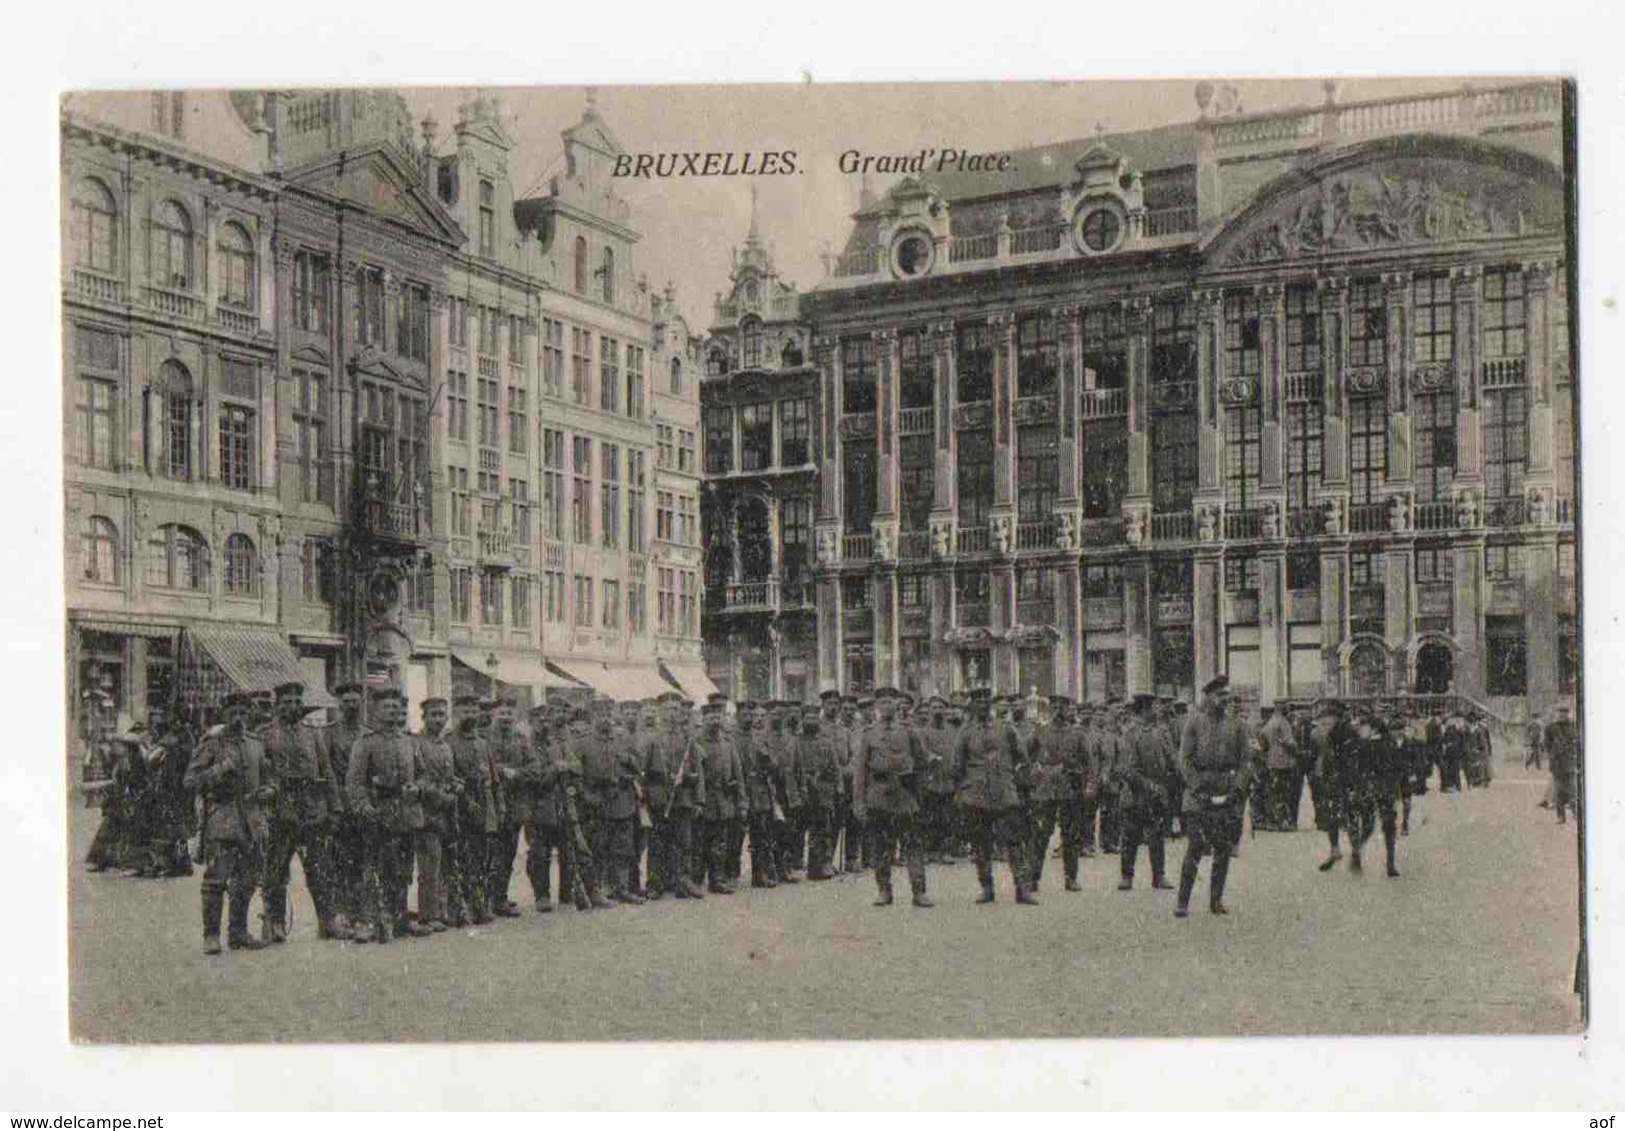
1479 935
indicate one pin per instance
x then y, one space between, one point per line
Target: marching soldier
349 842
821 774
236 781
302 816
1142 777
382 786
725 805
1213 755
885 785
675 775
1055 761
985 779
437 842
1335 773
477 819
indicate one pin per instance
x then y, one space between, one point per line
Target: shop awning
515 668
248 659
691 679
622 682
120 627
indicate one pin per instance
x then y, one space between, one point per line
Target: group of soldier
847 784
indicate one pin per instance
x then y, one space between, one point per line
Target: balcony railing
1368 518
237 321
1304 386
1036 535
971 540
1305 522
174 303
914 545
496 546
862 261
1170 221
1102 612
1028 241
1506 512
915 421
964 248
1173 526
488 367
95 286
392 521
857 547
1098 403
974 614
750 595
1437 515
1244 523
1504 373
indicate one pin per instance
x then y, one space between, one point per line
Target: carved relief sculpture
828 548
1535 502
1066 534
1399 514
1134 525
1001 533
1334 514
1467 510
1271 521
1207 524
942 537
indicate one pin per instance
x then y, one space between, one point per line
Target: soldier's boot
1334 855
1187 883
687 889
595 899
1215 891
237 936
1159 868
1388 851
984 875
625 885
1072 876
1355 864
276 916
1125 874
211 921
917 887
883 885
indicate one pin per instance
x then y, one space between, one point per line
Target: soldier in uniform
821 776
437 845
349 842
725 804
984 774
514 782
468 889
790 846
382 786
608 803
1142 787
674 773
1562 742
556 823
1213 755
302 816
1056 758
1108 738
937 783
1334 777
236 781
754 743
839 713
885 796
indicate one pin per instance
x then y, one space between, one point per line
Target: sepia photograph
819 561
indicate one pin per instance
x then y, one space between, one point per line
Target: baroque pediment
1393 203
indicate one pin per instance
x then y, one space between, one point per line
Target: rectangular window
609 374
1173 342
1506 656
916 379
688 523
490 318
1105 348
1241 573
1035 354
583 601
96 422
1506 442
911 590
518 420
521 602
688 603
861 485
1504 312
318 569
1175 455
1242 455
636 500
610 495
1305 436
457 322
1368 448
1434 317
855 593
1368 323
973 361
369 306
488 218
462 584
663 445
1503 563
412 336
1037 472
581 500
1303 328
756 436
311 437
634 382
1103 581
666 601
312 285
637 607
552 483
1434 564
556 597
237 447
1105 467
516 340
491 598
1303 570
552 357
612 604
917 479
488 392
974 471
857 376
719 439
457 405
581 366
519 503
1242 357
665 516
685 450
795 432
795 539
1434 444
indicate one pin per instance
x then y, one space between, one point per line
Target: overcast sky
689 225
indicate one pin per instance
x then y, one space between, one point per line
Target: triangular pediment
378 180
592 133
374 363
309 355
1098 157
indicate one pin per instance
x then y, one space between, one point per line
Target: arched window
177 558
677 375
99 550
95 217
171 408
1368 670
609 274
791 355
242 566
581 264
172 246
236 267
750 337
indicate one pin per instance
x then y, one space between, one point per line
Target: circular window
1101 229
912 253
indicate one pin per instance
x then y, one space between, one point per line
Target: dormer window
912 254
488 218
750 339
751 292
1101 229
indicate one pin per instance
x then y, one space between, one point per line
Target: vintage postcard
822 562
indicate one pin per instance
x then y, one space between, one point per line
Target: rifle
677 782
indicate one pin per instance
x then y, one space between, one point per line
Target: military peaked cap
291 687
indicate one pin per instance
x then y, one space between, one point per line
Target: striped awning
691 680
243 658
516 669
623 682
120 627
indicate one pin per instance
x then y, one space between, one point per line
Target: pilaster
1002 333
1210 365
1540 617
1334 319
942 353
886 422
1207 631
1271 321
1272 643
1137 666
1467 296
1069 616
826 356
1138 318
1002 583
1068 334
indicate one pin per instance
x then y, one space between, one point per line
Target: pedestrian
302 814
885 793
1334 778
1281 770
1213 754
1561 742
1142 771
1534 744
986 796
166 750
382 787
236 781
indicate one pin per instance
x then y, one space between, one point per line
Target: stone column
1537 367
1138 316
827 594
1138 674
1002 331
1334 318
1210 366
1467 293
1207 628
1002 583
1272 643
1540 617
1068 336
1467 614
1271 334
1400 373
883 588
1069 617
1334 610
942 353
886 423
1398 606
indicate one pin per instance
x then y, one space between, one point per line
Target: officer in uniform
302 816
674 773
725 801
236 780
349 840
438 787
885 785
821 776
1213 753
1056 759
477 822
1142 787
382 785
